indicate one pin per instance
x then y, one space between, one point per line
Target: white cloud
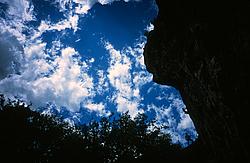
87 4
102 85
119 71
92 60
55 49
83 6
18 12
97 107
150 27
20 9
63 4
71 23
101 77
141 76
179 124
82 9
185 123
68 85
35 50
124 105
119 75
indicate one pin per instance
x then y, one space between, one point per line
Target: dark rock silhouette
202 48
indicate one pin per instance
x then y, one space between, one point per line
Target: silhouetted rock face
202 48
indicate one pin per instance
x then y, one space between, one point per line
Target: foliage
28 136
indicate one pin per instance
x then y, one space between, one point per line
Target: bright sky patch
83 59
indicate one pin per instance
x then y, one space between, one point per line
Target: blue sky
83 59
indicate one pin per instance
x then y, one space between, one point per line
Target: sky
83 59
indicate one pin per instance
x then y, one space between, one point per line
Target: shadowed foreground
27 136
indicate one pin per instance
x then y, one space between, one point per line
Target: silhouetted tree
29 137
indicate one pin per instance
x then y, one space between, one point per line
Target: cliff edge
202 48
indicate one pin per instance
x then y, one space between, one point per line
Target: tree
29 137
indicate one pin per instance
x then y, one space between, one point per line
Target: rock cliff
202 48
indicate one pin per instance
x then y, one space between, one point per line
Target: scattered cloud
71 23
102 84
58 75
180 124
119 75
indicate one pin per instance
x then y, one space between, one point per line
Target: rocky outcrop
202 48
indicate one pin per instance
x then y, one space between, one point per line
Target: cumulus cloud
19 9
53 75
66 86
119 74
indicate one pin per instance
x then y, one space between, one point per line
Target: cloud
95 107
67 85
185 123
11 54
35 50
102 85
83 6
150 27
19 9
99 108
71 22
17 14
80 7
126 97
173 116
55 74
140 75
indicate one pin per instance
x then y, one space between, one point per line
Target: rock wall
202 48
